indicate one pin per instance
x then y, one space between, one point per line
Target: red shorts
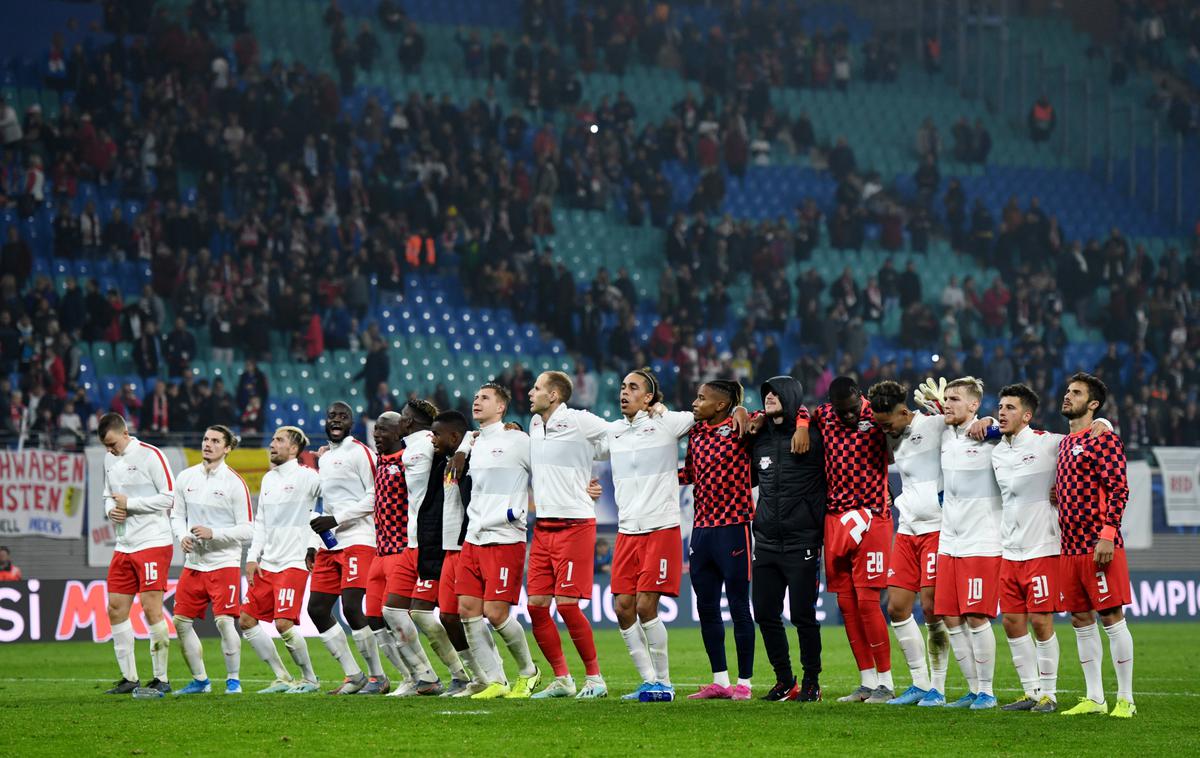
491 572
1029 586
405 581
337 570
967 585
1087 587
379 586
651 562
562 558
914 561
276 595
447 586
857 544
196 589
143 571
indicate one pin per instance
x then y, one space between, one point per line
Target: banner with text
42 494
1181 484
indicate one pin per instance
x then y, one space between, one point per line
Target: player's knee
496 616
247 622
647 608
898 611
1112 616
539 601
283 625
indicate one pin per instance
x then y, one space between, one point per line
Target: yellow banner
252 463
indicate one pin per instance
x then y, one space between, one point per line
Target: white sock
656 643
513 635
639 651
721 678
337 645
1047 661
409 644
122 636
491 668
983 644
231 646
471 663
193 652
1087 640
385 639
264 647
939 655
868 678
1024 658
743 683
160 645
364 640
960 643
297 647
912 644
433 630
1120 647
885 680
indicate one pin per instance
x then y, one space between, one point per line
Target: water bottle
327 535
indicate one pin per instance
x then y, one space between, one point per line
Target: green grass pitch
53 705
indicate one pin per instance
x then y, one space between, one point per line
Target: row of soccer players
826 484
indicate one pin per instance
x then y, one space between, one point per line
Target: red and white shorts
407 582
562 558
1087 587
650 562
142 571
1029 586
914 561
491 572
447 584
276 595
857 546
379 584
196 589
337 570
968 585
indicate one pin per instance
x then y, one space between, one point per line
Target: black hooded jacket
791 488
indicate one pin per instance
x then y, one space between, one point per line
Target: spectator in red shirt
995 301
8 570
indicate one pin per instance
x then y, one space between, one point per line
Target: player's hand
323 524
122 502
657 410
931 395
800 440
310 558
1099 428
1054 496
322 450
187 543
251 571
594 489
1104 552
513 426
456 467
756 424
202 532
118 515
979 429
741 421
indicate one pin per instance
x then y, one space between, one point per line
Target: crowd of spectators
297 208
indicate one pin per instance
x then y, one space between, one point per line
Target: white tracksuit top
348 488
644 455
1025 466
561 451
971 509
418 461
143 475
499 485
221 501
917 455
282 536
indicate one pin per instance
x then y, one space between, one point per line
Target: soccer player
717 463
562 445
139 491
347 472
1092 489
212 518
788 531
648 557
914 440
279 560
858 531
492 560
969 548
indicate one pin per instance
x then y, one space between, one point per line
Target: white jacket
348 488
453 515
282 536
1025 467
418 461
970 496
499 486
221 501
917 455
561 453
644 454
144 476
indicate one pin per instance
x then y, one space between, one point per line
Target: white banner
41 494
1137 523
1181 484
101 537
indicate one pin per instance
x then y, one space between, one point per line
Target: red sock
546 634
848 605
581 635
875 628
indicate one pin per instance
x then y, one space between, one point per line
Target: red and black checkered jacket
718 465
391 505
1092 489
855 462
